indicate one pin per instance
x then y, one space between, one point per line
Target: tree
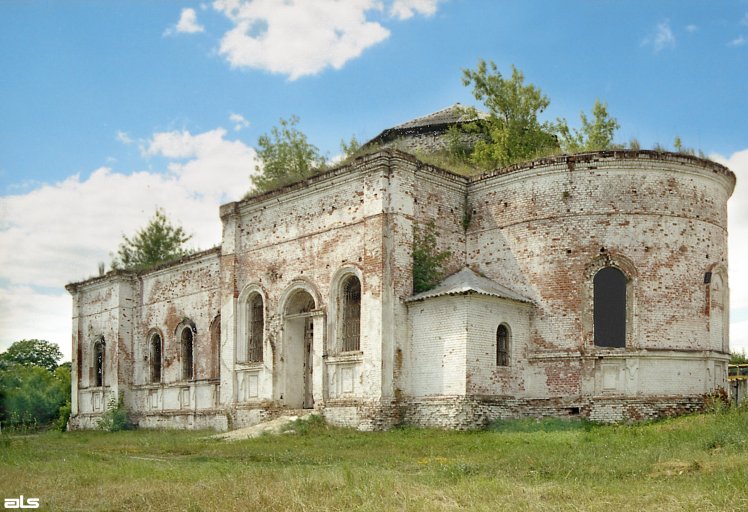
595 135
158 242
513 130
286 157
350 148
33 353
32 396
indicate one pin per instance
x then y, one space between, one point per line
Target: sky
109 110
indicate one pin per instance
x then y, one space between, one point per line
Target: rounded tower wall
546 228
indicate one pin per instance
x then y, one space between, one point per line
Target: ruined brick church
591 285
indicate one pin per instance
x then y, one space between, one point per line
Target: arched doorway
298 350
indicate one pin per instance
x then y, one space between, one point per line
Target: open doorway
298 352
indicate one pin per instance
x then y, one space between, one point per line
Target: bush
116 417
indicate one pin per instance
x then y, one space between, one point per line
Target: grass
690 463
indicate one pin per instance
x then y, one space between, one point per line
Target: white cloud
124 138
187 24
738 41
662 38
296 37
692 28
60 232
405 9
737 227
239 121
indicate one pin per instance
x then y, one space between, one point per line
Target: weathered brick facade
231 336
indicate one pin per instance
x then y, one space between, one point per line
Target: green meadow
695 463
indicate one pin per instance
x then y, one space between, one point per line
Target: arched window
187 338
156 349
349 325
255 328
99 361
609 316
502 345
215 347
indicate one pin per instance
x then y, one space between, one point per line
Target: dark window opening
502 346
99 358
350 303
215 347
610 308
156 350
187 354
256 328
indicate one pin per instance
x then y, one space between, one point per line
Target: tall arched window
502 345
156 350
215 347
99 361
609 316
255 328
187 342
349 325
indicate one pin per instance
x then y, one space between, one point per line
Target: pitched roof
466 281
439 120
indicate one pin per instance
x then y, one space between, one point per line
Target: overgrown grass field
692 463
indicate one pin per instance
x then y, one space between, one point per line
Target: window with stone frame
255 328
187 347
99 360
502 345
349 314
609 310
156 351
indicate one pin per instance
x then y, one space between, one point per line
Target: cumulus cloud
737 215
124 138
405 9
187 24
662 37
60 232
296 37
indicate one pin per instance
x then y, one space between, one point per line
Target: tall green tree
32 352
513 130
158 242
596 134
286 156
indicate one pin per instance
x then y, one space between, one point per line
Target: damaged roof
436 121
467 281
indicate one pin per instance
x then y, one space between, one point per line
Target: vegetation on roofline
510 130
159 242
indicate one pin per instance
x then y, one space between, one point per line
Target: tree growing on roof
286 156
594 135
513 131
158 242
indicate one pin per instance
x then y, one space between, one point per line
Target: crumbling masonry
592 284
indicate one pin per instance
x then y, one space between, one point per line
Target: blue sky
109 109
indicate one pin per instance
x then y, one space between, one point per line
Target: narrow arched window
188 369
609 315
255 328
350 314
215 347
99 360
156 351
502 345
